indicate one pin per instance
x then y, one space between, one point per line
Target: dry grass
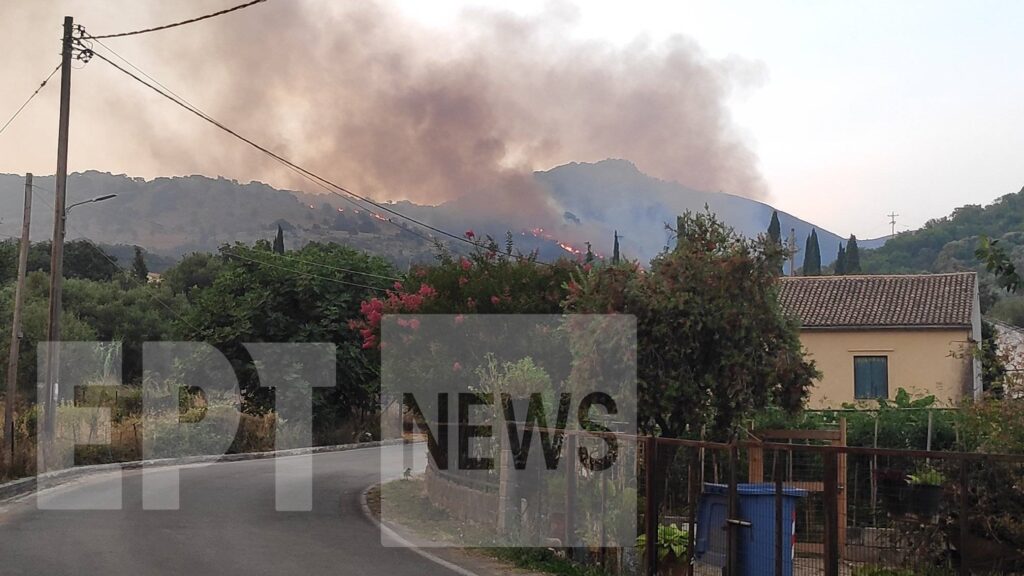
124 428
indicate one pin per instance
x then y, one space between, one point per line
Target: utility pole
57 247
791 249
19 296
892 221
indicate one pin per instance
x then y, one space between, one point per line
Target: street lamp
97 199
53 330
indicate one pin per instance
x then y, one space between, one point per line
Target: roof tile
880 301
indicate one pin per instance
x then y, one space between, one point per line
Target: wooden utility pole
19 296
791 249
57 247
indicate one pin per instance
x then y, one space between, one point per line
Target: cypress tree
279 241
774 228
775 236
852 256
812 255
615 249
139 269
840 269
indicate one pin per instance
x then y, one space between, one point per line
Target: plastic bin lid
760 489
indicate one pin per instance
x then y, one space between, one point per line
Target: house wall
922 361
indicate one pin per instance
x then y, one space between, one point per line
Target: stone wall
461 502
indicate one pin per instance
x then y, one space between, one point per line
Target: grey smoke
397 110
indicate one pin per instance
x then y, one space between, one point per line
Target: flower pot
893 491
672 566
924 499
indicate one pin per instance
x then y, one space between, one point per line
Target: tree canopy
306 295
139 269
713 342
840 265
812 255
852 256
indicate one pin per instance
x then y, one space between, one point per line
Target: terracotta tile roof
879 301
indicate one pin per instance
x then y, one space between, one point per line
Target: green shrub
672 541
927 476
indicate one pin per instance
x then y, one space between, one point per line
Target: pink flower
470 234
463 280
398 285
466 264
426 290
495 300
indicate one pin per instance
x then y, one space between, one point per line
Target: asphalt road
226 525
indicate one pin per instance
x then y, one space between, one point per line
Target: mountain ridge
175 215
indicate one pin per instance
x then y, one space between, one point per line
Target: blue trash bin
756 503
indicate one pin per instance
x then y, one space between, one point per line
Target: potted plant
925 492
893 488
672 544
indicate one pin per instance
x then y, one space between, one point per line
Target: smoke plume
393 108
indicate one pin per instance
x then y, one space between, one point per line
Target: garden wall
461 501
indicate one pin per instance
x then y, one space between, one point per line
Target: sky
837 112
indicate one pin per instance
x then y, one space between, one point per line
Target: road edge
22 486
405 543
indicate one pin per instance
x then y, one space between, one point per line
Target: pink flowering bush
487 281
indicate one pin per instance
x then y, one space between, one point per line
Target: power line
282 256
233 254
892 221
41 86
337 190
182 23
196 110
339 269
113 262
310 274
278 157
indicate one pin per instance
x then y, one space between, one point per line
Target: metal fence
763 507
799 502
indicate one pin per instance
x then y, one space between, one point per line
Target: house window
870 377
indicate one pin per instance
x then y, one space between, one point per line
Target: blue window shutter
861 378
881 377
870 377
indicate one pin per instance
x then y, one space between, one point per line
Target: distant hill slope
174 216
947 244
617 194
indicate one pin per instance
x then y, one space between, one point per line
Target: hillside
173 216
617 194
947 244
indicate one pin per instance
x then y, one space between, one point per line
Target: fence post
964 524
831 509
570 494
732 527
691 497
779 546
843 494
651 504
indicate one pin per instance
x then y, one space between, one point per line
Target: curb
405 543
23 486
